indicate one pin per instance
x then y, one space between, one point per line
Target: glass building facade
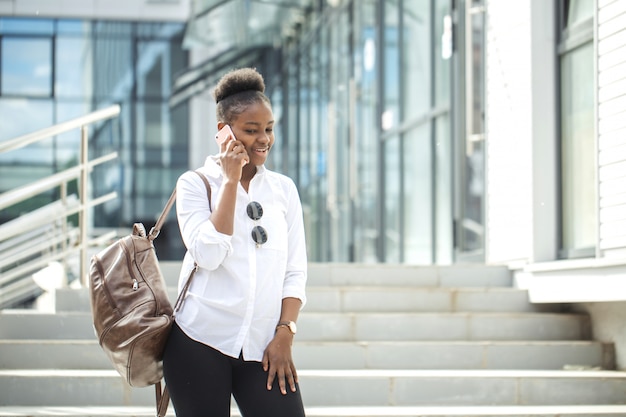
53 70
367 120
379 109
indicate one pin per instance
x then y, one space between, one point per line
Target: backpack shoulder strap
154 232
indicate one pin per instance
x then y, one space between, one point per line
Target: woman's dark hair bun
237 81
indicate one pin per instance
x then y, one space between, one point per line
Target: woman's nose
265 137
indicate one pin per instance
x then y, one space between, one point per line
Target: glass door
470 122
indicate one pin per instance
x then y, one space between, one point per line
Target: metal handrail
40 263
55 130
61 179
12 197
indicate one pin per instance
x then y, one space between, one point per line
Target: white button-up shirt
235 298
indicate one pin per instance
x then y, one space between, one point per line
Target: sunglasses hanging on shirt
255 212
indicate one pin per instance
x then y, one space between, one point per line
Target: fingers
270 380
292 378
278 363
237 150
224 144
265 361
233 157
286 376
295 377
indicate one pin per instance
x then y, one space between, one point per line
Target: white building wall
508 131
522 154
610 282
611 98
138 10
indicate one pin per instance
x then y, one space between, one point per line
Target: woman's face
255 129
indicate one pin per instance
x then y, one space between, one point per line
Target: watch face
292 327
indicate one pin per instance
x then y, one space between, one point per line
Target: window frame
568 40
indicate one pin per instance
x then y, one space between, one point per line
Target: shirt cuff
293 291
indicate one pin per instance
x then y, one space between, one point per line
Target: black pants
201 380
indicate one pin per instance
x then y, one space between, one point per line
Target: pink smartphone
223 134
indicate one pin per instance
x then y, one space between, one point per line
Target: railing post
82 217
64 231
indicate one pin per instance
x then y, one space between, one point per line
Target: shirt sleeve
205 244
296 273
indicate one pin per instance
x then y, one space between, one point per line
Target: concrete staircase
374 340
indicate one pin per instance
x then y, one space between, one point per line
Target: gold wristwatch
290 325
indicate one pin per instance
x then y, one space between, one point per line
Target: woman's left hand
278 363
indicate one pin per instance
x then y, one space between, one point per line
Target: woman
234 332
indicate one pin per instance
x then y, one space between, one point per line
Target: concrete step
374 340
468 275
341 388
87 354
463 388
346 299
356 327
442 326
53 354
348 274
478 411
552 355
340 299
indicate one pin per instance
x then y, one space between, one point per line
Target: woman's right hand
233 157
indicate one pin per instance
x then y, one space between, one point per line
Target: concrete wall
521 131
508 116
608 324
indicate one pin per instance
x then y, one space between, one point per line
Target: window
577 138
26 66
416 64
366 152
53 70
368 131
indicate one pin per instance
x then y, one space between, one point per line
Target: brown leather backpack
132 314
